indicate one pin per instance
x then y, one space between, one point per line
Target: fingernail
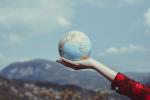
58 60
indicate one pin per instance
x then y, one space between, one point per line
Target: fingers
58 60
61 62
67 64
83 63
69 61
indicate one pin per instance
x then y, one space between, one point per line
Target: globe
75 45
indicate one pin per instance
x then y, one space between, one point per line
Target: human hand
77 65
89 64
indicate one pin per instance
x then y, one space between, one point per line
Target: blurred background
29 35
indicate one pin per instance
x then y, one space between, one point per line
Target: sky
119 30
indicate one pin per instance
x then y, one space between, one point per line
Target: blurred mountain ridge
46 70
31 90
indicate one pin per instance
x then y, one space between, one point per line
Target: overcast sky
119 30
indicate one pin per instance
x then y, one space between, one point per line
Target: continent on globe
75 45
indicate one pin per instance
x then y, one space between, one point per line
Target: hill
30 90
45 70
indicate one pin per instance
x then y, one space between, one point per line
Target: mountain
140 76
31 90
45 70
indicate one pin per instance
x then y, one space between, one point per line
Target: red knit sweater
128 87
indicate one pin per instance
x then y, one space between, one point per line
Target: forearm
104 70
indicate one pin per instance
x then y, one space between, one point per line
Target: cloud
40 16
147 17
63 21
123 50
11 39
147 21
32 16
5 60
14 39
22 18
111 2
133 1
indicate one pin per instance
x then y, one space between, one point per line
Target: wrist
104 70
94 64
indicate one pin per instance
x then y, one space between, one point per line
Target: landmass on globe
75 45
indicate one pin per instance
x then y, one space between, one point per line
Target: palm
77 65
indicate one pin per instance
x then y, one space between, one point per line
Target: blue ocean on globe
75 46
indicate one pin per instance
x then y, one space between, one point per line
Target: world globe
75 46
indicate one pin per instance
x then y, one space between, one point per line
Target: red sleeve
128 87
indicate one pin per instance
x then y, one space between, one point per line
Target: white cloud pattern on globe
75 46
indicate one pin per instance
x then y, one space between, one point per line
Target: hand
77 65
90 64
